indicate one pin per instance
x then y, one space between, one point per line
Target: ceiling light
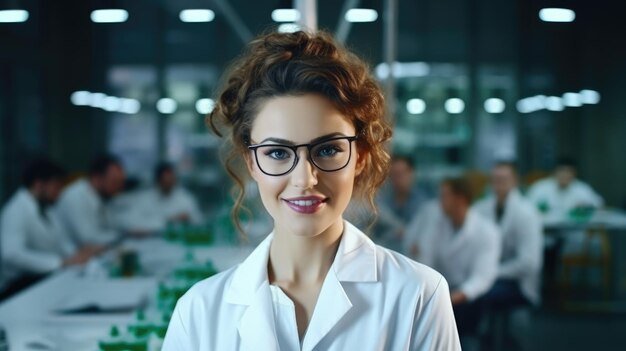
197 15
13 16
109 16
557 15
494 105
454 105
285 15
361 15
166 106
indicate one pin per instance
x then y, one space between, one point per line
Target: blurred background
468 83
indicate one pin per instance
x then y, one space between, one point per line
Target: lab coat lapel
250 287
257 327
355 262
511 205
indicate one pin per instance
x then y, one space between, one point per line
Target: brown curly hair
293 64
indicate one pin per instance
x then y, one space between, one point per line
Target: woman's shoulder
398 270
210 290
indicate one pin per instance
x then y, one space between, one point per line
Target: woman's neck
297 259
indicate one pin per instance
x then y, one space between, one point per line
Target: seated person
32 245
464 247
151 209
83 209
399 202
562 192
519 272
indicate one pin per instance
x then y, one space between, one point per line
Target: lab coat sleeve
177 337
85 224
590 196
484 271
15 249
435 326
528 247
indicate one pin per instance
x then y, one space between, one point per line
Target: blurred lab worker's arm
15 250
528 236
84 222
484 269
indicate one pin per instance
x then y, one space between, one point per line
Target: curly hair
294 64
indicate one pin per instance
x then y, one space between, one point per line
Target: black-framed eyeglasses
328 155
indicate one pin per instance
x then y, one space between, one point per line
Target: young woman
306 121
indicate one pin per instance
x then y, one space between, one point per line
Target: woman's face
307 200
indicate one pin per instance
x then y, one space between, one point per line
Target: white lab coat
372 299
467 258
30 242
150 209
561 201
83 215
522 241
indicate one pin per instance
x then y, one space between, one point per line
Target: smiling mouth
306 205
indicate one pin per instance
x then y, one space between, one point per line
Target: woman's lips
305 204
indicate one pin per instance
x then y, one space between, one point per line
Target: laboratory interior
506 175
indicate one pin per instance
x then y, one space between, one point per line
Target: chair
586 259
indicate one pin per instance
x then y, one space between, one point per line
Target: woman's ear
250 165
361 161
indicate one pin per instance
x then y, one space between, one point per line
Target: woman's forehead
299 119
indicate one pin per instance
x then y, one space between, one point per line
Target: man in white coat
31 245
82 208
171 201
562 192
522 241
464 247
150 210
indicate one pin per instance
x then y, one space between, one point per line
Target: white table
610 219
32 314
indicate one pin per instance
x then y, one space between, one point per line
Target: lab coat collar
27 198
355 261
511 204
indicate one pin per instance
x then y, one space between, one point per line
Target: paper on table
108 296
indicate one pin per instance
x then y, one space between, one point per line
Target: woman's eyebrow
289 142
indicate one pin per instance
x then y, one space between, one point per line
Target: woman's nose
304 175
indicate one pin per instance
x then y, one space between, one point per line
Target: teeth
304 202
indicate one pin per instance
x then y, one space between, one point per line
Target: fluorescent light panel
13 16
197 15
285 15
288 28
361 15
109 16
557 15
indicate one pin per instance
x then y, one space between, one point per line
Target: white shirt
560 200
30 243
467 258
522 241
371 299
84 216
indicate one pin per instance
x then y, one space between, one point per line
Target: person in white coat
563 192
399 202
82 207
30 242
153 208
464 247
519 273
307 120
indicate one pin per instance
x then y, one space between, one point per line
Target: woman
306 120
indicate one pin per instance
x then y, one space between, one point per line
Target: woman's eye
277 154
328 151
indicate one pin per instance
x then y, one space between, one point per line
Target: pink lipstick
305 204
